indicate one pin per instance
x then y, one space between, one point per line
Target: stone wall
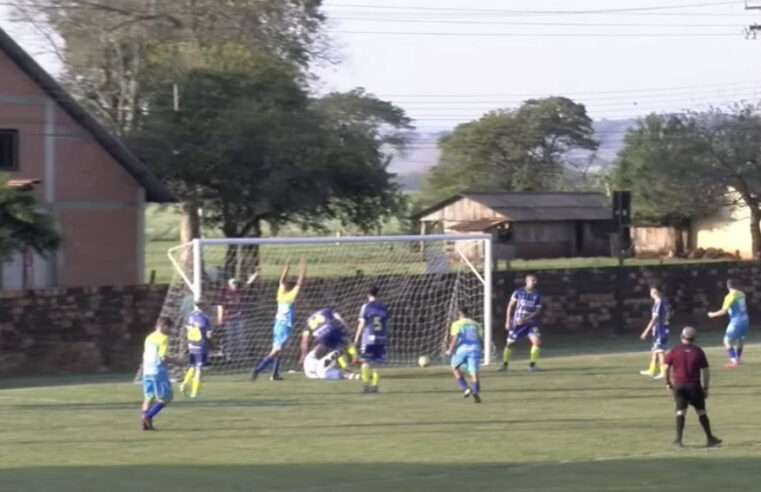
102 329
76 330
611 301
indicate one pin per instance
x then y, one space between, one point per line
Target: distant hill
423 153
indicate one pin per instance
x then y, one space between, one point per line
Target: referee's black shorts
686 394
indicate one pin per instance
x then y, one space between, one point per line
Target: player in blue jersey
198 330
327 328
522 320
157 388
737 329
659 325
287 292
466 340
372 332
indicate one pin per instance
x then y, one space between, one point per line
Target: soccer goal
423 280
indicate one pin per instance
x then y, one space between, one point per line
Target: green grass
586 423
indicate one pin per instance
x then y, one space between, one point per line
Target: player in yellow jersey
465 348
734 306
157 388
287 292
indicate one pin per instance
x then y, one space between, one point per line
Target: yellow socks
196 384
534 354
343 362
366 373
506 354
653 365
663 370
188 377
376 379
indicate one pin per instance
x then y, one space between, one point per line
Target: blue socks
462 383
276 367
477 387
263 365
155 409
732 353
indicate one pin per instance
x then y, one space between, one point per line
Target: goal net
423 281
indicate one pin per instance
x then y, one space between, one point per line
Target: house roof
478 225
155 190
23 183
536 206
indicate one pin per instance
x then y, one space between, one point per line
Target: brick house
93 187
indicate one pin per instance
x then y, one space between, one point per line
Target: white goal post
423 279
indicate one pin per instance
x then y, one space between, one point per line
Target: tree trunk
755 230
190 223
190 228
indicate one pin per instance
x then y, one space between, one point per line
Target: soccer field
585 423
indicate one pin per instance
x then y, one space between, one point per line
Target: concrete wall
97 206
727 229
90 330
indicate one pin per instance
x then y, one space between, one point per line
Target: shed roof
155 190
536 206
477 225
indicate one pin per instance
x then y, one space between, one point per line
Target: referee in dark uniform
688 362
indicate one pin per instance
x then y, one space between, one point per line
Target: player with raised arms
287 292
466 340
659 325
737 329
198 330
327 328
371 331
522 320
157 388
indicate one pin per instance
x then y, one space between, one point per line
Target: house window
8 150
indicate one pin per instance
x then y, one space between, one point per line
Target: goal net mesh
422 282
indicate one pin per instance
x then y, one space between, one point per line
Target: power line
541 12
533 23
539 35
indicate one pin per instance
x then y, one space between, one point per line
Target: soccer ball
424 361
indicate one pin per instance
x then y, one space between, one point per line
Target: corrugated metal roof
536 206
22 183
530 207
477 225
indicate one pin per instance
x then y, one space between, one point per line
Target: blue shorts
468 357
660 344
281 332
520 331
158 386
198 359
736 331
373 353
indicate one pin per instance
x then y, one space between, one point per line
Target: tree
22 227
685 166
658 164
524 149
254 150
731 139
112 51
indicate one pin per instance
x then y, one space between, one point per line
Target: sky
449 61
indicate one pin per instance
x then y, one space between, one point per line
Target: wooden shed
527 224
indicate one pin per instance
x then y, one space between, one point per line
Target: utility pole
752 31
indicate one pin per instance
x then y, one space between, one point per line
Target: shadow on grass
65 380
669 471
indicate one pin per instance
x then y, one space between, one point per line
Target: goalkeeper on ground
328 330
325 368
